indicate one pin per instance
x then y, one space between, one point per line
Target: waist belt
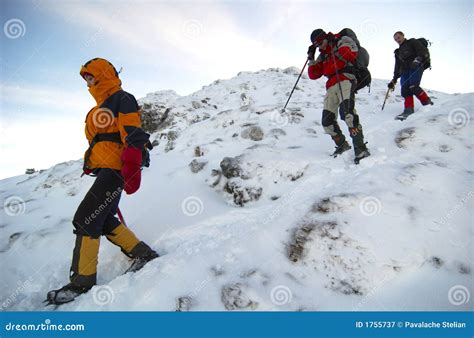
109 137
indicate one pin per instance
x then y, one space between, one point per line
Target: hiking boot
66 294
427 102
406 112
360 153
341 148
139 263
141 255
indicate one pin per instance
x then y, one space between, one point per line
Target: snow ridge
249 211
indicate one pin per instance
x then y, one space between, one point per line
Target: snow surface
393 233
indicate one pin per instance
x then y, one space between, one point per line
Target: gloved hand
87 171
392 84
311 52
131 172
416 63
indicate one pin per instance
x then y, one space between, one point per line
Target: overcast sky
184 45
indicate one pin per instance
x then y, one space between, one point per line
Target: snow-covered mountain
249 211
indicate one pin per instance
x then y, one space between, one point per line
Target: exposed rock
184 304
242 195
230 167
172 135
199 117
436 261
291 71
196 166
403 135
277 132
346 287
196 104
302 235
198 152
325 206
255 133
444 148
463 268
295 176
234 297
247 124
169 146
217 270
218 175
155 117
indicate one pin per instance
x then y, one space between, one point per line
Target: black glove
416 63
391 85
311 52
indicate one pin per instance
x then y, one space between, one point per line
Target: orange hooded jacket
114 123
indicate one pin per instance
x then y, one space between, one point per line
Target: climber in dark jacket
410 61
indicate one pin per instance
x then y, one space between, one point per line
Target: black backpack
361 70
427 61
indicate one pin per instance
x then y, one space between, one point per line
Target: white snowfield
287 228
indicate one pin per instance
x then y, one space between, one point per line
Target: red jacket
335 57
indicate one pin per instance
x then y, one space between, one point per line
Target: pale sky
184 45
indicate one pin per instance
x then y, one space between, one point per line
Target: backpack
427 61
361 71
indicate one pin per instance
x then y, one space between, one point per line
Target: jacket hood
106 77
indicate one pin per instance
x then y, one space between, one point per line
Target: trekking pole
294 87
386 97
121 216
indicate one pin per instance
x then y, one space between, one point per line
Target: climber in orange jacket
116 142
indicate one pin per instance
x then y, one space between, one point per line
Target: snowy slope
282 225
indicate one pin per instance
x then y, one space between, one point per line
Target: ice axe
294 87
121 216
386 97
